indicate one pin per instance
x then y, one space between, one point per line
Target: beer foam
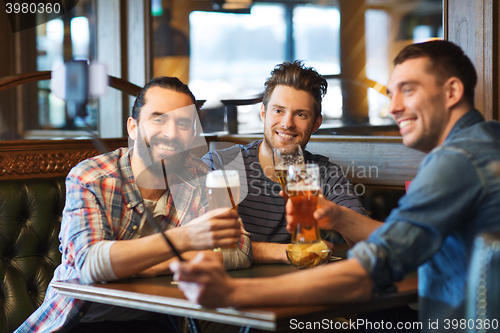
281 167
217 179
302 188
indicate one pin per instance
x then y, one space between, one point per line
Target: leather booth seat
30 220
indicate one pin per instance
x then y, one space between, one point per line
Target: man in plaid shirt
104 232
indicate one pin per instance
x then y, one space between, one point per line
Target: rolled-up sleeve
239 258
84 222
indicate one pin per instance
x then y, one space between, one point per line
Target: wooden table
160 295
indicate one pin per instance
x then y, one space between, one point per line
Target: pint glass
303 189
223 190
283 157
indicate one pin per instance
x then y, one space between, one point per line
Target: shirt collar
130 188
467 120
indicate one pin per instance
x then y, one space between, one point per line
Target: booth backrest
30 220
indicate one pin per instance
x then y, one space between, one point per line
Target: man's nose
287 121
396 104
169 129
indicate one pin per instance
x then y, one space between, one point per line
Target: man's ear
455 89
132 128
262 113
317 123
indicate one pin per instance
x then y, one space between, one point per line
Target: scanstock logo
26 14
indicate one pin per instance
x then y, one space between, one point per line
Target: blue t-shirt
454 196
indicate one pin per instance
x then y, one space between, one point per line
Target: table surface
160 295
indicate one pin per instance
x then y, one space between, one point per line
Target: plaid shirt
100 205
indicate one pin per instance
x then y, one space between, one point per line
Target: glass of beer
223 190
303 188
283 157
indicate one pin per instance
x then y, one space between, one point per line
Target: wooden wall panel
367 160
473 24
47 158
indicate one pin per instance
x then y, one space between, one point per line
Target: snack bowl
306 255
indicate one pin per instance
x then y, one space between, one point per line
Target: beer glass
284 157
223 190
303 188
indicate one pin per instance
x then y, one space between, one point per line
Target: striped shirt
101 205
263 209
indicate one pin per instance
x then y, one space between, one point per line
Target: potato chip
307 255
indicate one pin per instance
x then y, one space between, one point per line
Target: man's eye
301 115
158 120
183 124
278 110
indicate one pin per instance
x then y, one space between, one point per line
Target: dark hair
296 75
448 60
166 82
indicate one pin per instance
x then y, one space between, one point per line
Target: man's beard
268 141
156 166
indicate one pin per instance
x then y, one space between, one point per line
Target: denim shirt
455 195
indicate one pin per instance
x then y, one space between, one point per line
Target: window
352 42
232 54
90 30
50 47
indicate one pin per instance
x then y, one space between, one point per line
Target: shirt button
134 227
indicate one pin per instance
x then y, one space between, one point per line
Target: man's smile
286 136
166 147
405 123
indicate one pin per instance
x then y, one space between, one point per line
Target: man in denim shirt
455 195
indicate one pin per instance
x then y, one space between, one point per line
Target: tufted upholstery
30 219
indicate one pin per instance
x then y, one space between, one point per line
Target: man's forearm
133 256
355 227
269 252
163 267
345 281
148 256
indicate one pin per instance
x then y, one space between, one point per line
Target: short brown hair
296 75
448 60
